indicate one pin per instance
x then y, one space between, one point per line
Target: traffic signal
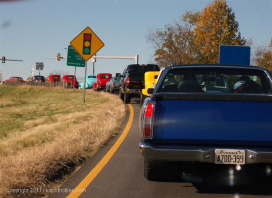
87 43
3 59
58 57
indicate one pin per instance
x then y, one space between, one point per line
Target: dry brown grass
40 150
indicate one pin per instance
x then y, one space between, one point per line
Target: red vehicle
70 81
14 80
53 78
102 79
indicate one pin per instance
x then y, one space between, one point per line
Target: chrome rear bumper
194 154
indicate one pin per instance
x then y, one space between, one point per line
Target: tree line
197 36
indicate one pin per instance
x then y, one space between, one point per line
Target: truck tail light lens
148 120
128 81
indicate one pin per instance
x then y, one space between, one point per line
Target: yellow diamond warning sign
87 43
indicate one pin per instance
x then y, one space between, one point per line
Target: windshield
211 80
71 77
143 68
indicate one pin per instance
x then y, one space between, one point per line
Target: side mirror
150 90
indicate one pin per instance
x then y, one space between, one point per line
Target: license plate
227 156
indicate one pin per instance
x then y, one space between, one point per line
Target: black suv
132 80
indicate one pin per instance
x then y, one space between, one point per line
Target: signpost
39 66
86 44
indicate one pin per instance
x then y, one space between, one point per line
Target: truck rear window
216 80
143 68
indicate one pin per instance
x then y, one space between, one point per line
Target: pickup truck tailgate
136 80
205 122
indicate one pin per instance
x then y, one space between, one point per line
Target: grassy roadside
47 132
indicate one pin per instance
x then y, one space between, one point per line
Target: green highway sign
73 58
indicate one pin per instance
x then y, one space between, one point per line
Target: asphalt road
116 171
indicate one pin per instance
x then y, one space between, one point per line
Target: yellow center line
91 176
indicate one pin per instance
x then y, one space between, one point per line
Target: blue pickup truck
205 119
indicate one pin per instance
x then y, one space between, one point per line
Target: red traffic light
87 43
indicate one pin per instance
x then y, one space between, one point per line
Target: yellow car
150 78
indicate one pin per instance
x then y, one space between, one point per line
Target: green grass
20 104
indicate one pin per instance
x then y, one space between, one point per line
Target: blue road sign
234 55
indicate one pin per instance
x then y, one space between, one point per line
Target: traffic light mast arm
56 57
4 59
14 60
136 57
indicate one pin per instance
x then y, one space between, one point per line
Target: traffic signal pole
84 93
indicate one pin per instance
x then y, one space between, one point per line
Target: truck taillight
148 120
128 81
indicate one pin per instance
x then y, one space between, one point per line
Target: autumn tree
216 26
197 36
263 56
174 43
